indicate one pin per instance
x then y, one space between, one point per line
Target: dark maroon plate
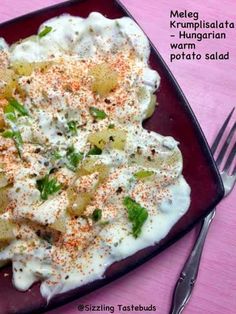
173 116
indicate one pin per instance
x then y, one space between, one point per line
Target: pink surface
210 88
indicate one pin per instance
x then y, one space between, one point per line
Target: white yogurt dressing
73 258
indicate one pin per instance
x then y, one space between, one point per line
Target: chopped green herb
16 136
136 214
94 151
56 155
142 174
104 223
8 134
97 214
73 158
72 127
111 126
47 186
12 107
18 141
9 112
45 31
17 106
97 113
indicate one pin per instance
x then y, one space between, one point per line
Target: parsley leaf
56 155
16 136
18 141
104 223
94 151
9 112
111 126
18 107
47 186
72 127
136 214
73 158
13 107
142 174
97 214
97 113
8 134
45 31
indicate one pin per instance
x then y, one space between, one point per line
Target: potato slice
105 79
81 193
147 98
3 198
157 153
151 106
6 230
116 138
91 165
60 224
3 179
78 202
23 68
8 77
159 161
27 68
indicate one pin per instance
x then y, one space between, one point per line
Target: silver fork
188 275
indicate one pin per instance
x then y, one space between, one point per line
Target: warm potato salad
82 183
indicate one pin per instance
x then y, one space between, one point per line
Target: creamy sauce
81 250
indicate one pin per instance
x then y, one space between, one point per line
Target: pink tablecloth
211 90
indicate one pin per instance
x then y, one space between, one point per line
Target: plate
173 116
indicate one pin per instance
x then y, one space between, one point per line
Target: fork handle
188 276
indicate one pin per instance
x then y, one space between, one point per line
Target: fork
188 275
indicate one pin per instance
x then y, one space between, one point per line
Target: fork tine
221 132
230 159
225 146
234 172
